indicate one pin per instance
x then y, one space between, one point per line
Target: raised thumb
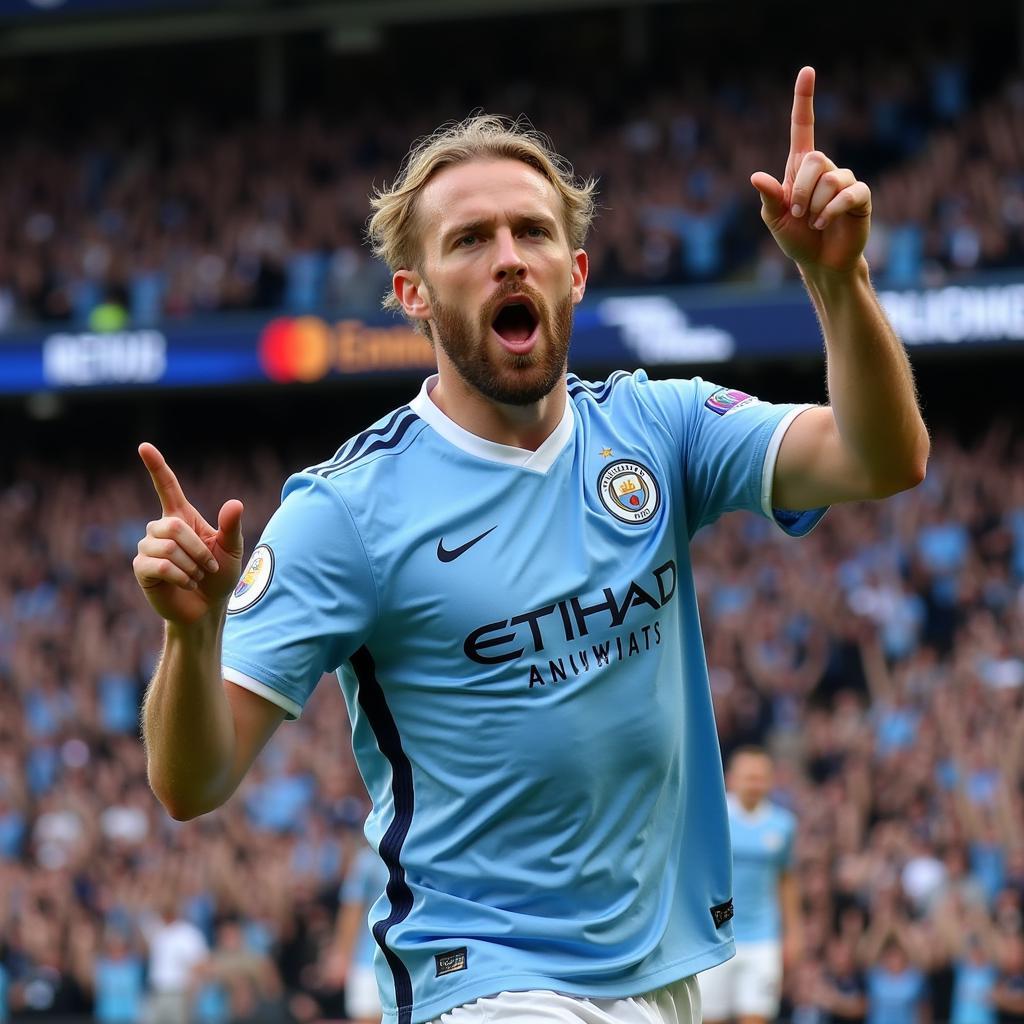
229 527
773 199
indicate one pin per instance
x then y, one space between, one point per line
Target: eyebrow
474 226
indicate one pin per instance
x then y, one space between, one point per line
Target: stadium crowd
881 660
110 226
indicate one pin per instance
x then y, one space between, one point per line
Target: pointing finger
801 132
168 490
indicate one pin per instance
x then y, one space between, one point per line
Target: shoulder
598 392
784 817
634 398
390 436
623 386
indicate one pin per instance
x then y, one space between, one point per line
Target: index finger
168 490
801 132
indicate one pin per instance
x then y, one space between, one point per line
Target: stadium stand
189 217
883 667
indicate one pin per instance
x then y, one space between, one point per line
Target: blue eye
462 242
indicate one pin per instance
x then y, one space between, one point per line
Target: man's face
750 778
498 280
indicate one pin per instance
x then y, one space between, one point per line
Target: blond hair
392 228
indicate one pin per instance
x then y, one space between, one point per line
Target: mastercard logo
307 348
295 349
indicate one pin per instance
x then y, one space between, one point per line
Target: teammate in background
351 958
499 572
748 988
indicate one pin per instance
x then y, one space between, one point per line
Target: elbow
178 809
906 476
181 806
914 474
181 812
895 483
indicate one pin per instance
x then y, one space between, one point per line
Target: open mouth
516 324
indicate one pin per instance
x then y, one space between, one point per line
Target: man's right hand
185 566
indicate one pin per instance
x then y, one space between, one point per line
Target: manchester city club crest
629 491
253 582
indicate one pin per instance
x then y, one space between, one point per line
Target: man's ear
578 275
412 293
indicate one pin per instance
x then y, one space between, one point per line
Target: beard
502 376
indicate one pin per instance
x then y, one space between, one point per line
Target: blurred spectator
842 989
246 979
176 946
114 226
118 980
1008 993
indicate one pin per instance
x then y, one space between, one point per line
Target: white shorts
748 985
362 1000
678 1003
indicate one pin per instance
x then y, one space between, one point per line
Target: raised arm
201 732
871 441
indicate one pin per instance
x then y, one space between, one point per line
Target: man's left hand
820 214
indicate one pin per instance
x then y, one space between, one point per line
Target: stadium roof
50 26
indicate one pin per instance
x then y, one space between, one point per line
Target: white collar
757 814
539 461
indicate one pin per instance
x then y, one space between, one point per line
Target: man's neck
748 806
519 426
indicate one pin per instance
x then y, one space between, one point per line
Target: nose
508 261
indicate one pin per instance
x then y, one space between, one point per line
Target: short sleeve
362 883
729 441
305 601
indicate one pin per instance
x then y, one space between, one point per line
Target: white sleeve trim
232 675
772 454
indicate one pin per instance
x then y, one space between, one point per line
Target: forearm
351 918
789 900
187 722
848 1007
870 384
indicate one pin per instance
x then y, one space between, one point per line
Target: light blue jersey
517 640
762 849
120 989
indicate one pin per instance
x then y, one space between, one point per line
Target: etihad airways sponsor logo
495 643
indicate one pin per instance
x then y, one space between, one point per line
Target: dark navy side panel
374 704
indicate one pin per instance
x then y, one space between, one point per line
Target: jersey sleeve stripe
599 392
372 700
352 446
385 444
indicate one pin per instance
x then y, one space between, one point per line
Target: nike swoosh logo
449 556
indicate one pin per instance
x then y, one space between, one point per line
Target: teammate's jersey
364 882
517 640
762 849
